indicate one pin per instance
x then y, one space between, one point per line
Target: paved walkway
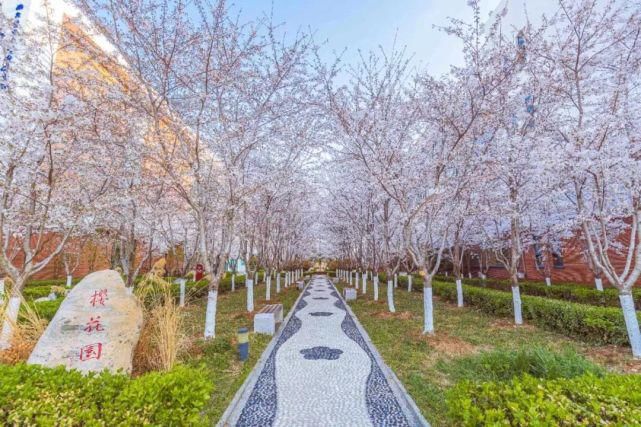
321 370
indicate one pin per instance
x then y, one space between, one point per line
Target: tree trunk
182 283
395 280
364 283
11 313
390 296
516 300
268 287
548 281
278 282
357 280
631 323
233 282
428 306
210 314
409 282
459 293
69 280
598 282
10 321
250 295
376 288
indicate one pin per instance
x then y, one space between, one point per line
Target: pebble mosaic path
321 370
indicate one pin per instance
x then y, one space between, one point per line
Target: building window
558 259
539 258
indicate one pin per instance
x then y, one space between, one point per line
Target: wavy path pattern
322 370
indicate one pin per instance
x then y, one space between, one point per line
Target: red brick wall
94 257
575 269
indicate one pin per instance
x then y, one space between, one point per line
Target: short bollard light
243 344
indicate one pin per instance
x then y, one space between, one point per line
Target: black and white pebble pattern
321 372
321 353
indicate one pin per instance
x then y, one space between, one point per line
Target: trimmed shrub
51 282
524 401
35 292
34 395
503 365
47 309
566 291
598 325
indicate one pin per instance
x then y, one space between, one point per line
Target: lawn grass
219 356
426 365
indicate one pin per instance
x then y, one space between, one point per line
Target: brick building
569 264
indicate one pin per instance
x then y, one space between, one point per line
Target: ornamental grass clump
26 333
161 338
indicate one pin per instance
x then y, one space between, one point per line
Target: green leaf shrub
525 401
47 309
574 292
597 325
34 395
51 282
35 292
503 365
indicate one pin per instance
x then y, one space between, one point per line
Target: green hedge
525 401
599 325
609 297
47 309
34 395
51 282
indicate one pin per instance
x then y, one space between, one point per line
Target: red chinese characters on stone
98 298
94 324
91 351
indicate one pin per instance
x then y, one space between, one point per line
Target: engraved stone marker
96 327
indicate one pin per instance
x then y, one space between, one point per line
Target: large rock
96 327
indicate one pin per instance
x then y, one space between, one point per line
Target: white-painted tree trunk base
278 283
548 281
2 290
390 296
375 288
69 280
409 283
396 281
516 300
459 293
10 320
182 283
210 314
428 309
358 279
364 283
598 282
268 288
631 324
233 282
250 295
